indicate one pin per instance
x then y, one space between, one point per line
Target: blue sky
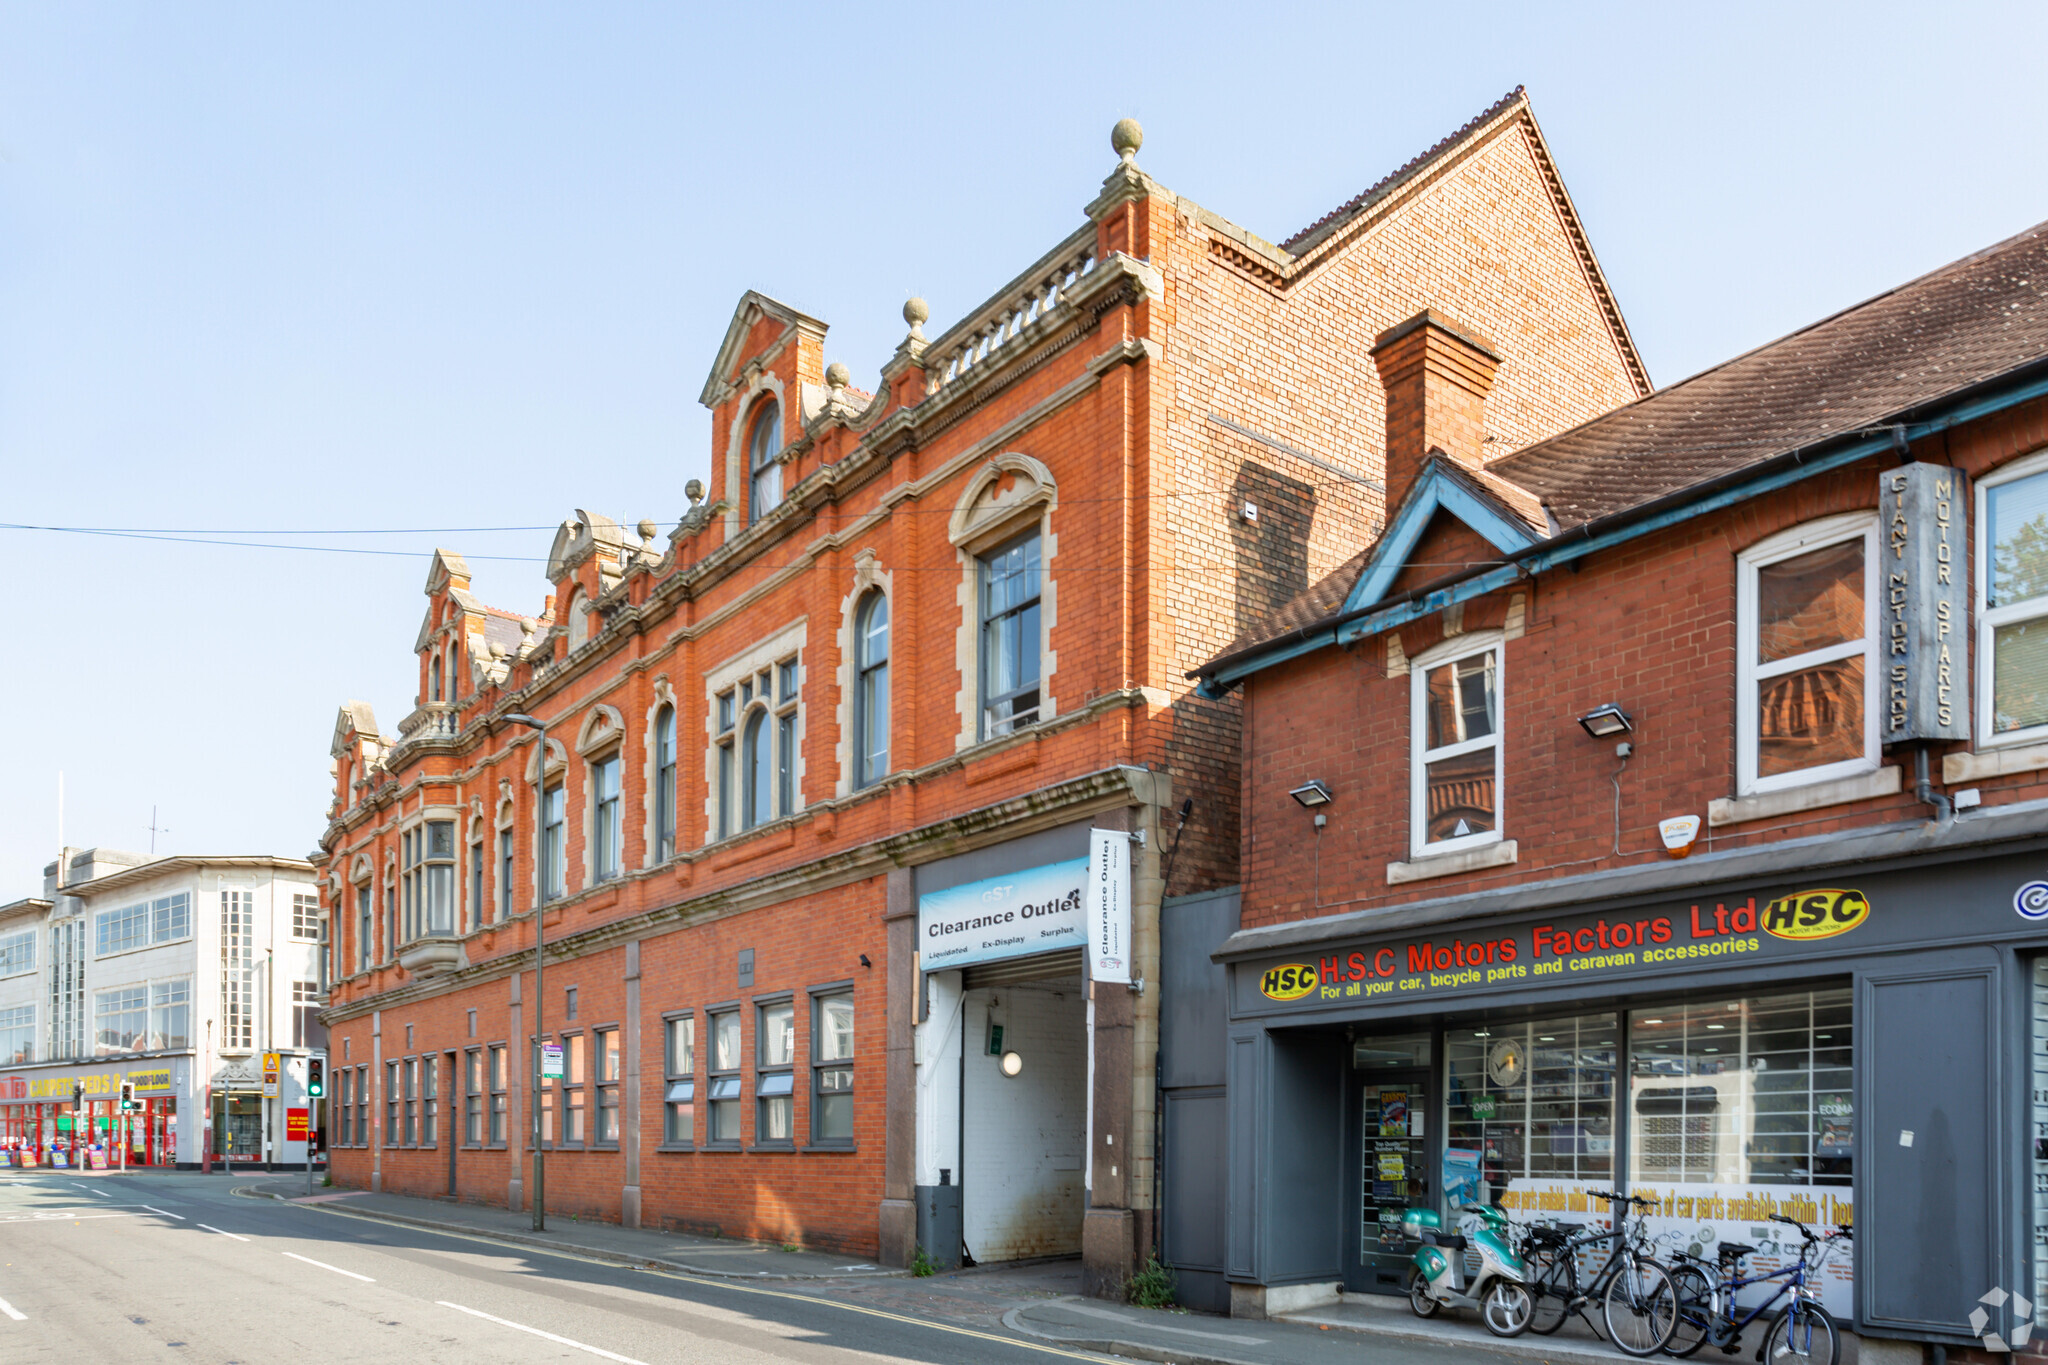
279 269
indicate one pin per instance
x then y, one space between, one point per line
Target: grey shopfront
1845 1030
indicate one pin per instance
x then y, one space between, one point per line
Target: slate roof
1970 322
1965 323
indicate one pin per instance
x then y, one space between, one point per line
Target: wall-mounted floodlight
1012 1064
1604 722
1312 793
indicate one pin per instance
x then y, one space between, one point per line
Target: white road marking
68 1215
522 1327
324 1266
90 1190
211 1228
9 1310
165 1212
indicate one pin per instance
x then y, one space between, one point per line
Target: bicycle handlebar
1617 1197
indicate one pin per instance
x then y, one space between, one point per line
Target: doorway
1023 1136
1389 1161
238 1126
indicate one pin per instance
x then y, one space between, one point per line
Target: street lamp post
540 902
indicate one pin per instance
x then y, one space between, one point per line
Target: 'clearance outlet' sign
1033 911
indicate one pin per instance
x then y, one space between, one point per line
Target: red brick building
905 653
1661 805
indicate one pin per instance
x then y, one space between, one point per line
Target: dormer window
434 678
764 443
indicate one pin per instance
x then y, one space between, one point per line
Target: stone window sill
1974 767
830 1148
1500 854
1735 810
676 1147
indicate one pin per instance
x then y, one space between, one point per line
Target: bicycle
1638 1302
1706 1302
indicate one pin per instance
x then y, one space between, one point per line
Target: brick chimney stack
1436 374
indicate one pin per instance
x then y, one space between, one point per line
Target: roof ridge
1414 164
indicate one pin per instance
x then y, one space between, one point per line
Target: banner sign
295 1125
1695 1218
1109 905
1923 652
1033 911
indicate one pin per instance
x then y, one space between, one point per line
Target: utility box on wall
938 1222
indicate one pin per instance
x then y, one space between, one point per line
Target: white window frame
784 720
1420 755
1989 618
13 960
1788 544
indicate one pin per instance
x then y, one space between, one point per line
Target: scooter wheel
1419 1297
1507 1309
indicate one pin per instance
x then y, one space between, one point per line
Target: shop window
832 1071
2037 1150
679 1065
428 880
1756 1091
572 1090
1010 637
2012 598
393 1103
473 1097
607 830
605 1062
1529 1105
498 1095
18 953
774 1082
871 690
170 1014
17 1035
120 1020
724 1089
764 443
1806 602
554 829
430 1101
1456 767
665 784
306 917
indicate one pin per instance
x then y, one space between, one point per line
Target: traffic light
128 1105
316 1077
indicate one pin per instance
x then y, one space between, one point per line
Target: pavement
625 1294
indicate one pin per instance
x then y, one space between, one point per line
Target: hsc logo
1815 914
1290 982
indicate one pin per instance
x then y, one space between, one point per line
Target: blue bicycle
1706 1290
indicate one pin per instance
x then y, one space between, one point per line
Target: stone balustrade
1018 306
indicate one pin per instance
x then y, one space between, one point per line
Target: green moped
1473 1268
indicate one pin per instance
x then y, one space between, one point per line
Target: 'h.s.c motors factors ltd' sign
1033 911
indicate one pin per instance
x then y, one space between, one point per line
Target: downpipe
1924 792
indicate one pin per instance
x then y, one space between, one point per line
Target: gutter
1993 395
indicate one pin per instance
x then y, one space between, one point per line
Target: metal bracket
1136 836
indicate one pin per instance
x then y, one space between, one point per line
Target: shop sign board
1017 914
99 1085
1109 905
1924 652
1695 1217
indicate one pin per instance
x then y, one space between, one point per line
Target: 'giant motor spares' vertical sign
1108 896
1923 653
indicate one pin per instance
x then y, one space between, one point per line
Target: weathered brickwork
1128 418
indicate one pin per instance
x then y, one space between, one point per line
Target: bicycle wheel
1641 1308
1506 1309
1550 1296
1802 1335
1695 1311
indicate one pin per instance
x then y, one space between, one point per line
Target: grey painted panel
1247 1100
1194 1001
1930 1210
1301 1225
1033 850
1196 1168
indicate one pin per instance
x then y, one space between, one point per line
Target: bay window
427 882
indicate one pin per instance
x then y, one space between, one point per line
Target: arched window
451 678
764 443
871 690
665 784
756 765
434 678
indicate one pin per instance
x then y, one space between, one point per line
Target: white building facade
173 976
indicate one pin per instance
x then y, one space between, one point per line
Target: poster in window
1393 1113
1461 1176
1391 1165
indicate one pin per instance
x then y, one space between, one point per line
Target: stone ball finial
837 376
915 312
694 491
1127 137
646 528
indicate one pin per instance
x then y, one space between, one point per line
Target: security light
1012 1064
1312 793
1602 722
